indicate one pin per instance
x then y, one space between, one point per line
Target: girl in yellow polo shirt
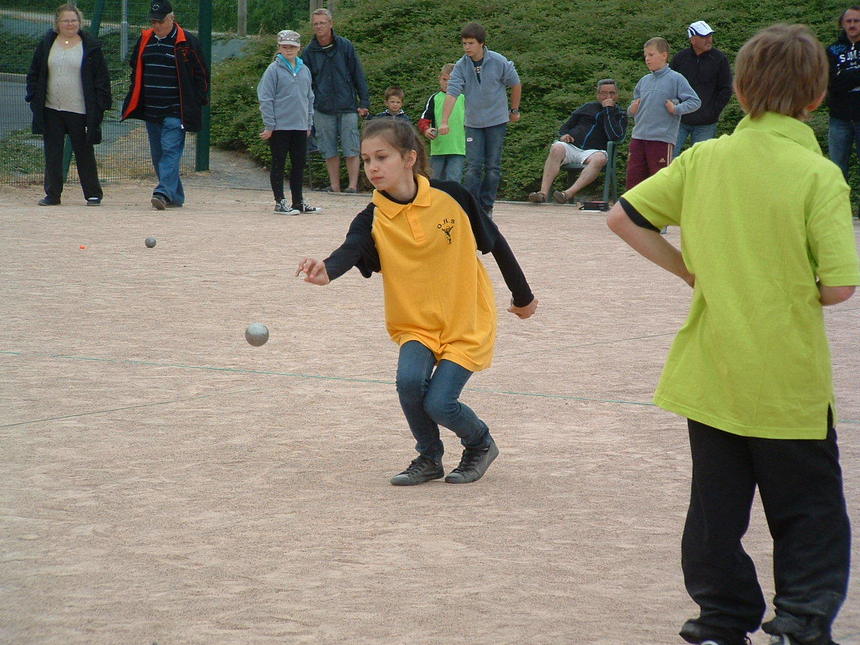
422 235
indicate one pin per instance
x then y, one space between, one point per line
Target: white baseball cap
699 28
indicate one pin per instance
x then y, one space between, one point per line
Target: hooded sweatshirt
285 95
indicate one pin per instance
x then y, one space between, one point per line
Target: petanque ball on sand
257 334
150 242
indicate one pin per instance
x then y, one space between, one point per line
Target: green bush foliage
560 48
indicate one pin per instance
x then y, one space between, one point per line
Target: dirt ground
162 481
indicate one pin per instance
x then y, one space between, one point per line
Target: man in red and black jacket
169 87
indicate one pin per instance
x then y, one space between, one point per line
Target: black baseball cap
158 9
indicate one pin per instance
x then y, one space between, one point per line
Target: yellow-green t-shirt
436 289
762 215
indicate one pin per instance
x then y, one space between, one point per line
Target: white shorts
575 155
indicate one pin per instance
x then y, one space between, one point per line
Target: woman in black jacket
68 89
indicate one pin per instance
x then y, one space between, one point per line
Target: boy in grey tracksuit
659 100
287 105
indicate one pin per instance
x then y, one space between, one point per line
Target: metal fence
124 152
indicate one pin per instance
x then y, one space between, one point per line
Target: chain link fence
124 152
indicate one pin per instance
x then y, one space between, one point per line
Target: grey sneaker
422 469
282 208
304 207
473 464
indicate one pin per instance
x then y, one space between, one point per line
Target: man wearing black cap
169 87
707 70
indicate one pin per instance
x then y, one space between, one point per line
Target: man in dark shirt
583 139
169 87
843 97
708 72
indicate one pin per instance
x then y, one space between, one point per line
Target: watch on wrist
514 110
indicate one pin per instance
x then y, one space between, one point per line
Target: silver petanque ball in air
150 242
257 334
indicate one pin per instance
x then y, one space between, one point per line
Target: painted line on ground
346 379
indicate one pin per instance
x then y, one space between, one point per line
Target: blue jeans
430 398
696 133
447 167
166 143
484 163
841 138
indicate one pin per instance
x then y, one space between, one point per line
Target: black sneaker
159 202
94 201
304 207
473 464
47 201
422 469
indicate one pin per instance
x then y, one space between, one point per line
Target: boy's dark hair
401 136
474 30
782 69
393 90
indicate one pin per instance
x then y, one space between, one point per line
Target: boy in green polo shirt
447 151
767 242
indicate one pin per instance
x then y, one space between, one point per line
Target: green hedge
560 49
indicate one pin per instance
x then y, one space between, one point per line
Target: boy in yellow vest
768 242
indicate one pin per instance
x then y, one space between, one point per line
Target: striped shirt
160 81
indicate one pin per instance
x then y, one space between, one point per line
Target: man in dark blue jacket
337 78
708 72
583 139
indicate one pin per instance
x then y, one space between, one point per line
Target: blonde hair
447 68
401 136
64 8
658 43
782 69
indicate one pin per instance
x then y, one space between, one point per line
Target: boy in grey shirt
659 100
484 77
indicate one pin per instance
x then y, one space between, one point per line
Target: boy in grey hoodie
287 105
659 100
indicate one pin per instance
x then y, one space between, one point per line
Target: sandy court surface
162 481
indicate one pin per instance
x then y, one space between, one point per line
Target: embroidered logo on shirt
446 226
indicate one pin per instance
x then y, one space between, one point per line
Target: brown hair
474 30
394 90
68 7
658 43
783 69
401 136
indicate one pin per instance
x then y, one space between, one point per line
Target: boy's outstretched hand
314 271
524 312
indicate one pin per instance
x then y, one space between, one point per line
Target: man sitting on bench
583 141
